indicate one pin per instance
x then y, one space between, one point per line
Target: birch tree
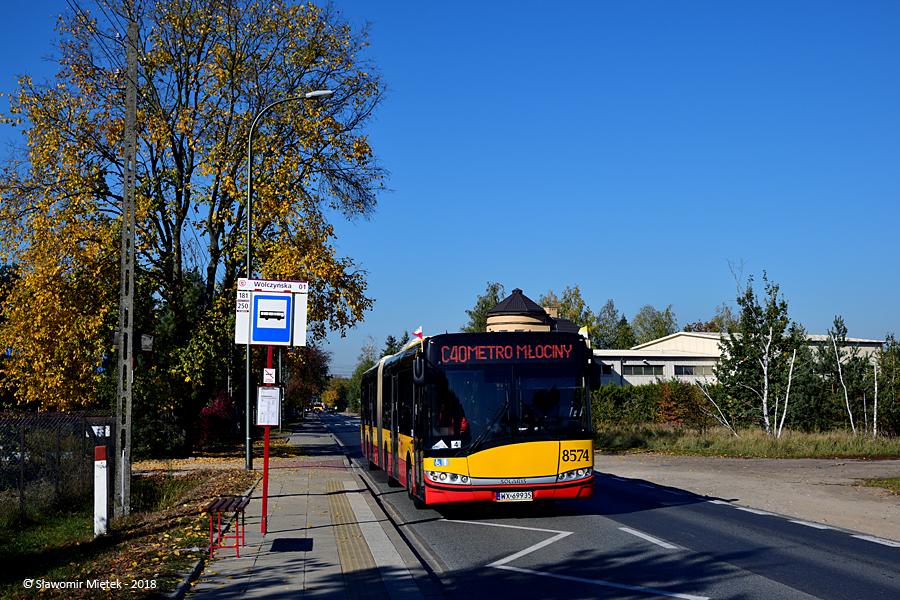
845 375
757 358
841 377
888 362
716 406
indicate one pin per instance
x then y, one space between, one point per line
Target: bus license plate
514 496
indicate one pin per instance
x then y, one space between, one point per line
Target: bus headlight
581 473
452 478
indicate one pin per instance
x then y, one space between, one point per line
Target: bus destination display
464 354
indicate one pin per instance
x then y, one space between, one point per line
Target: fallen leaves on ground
223 458
147 552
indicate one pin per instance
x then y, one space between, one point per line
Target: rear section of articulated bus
370 416
508 419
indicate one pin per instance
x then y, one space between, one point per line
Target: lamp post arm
256 119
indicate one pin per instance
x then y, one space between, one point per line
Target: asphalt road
636 540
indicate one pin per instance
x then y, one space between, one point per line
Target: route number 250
574 455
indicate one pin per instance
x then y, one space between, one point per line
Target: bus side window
405 399
386 398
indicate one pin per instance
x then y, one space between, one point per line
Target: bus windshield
551 402
473 408
467 405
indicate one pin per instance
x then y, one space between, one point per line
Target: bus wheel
419 504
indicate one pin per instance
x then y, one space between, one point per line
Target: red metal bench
227 505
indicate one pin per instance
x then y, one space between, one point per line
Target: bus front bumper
445 494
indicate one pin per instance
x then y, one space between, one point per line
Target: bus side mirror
419 369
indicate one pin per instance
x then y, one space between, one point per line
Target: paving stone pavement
326 536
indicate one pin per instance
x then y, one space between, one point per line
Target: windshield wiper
474 445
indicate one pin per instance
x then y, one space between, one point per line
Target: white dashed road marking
649 538
502 563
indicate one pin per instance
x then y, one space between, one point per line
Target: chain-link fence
47 459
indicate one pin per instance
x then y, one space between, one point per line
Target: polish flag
418 333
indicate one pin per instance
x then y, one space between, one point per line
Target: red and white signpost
101 492
268 414
270 313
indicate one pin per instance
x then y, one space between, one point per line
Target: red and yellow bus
468 417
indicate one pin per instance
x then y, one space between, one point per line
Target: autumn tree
307 375
571 306
366 360
335 394
207 68
723 322
8 278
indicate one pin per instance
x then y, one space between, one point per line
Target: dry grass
748 443
148 552
161 540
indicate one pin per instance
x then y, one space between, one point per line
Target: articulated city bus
467 417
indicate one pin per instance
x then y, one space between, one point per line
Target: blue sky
629 148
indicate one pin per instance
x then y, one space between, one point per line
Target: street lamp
315 95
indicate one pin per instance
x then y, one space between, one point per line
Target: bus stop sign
271 313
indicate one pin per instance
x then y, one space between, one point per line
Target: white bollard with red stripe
101 492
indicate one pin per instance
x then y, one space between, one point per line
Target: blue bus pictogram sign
271 319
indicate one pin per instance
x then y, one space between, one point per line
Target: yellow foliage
206 70
58 319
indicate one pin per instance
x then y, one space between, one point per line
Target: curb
185 583
433 565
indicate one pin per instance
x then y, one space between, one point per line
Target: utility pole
126 285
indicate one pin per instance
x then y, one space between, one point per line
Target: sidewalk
326 536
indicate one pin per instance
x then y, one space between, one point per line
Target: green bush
672 402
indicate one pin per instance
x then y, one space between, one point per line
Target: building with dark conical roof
518 312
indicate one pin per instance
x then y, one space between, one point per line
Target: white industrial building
686 355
